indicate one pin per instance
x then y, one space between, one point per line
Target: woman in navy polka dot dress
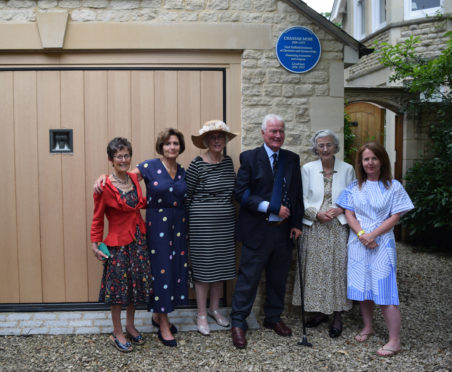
166 224
166 229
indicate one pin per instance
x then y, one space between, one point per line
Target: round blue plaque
298 49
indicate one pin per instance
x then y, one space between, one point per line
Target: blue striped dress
371 273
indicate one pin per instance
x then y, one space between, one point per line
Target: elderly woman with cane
325 232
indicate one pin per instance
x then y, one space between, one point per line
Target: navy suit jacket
255 184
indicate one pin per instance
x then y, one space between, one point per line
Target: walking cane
304 340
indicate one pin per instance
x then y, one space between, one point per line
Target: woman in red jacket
126 279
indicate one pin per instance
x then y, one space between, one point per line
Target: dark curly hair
118 144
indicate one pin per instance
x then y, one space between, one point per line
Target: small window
60 141
360 19
422 8
378 14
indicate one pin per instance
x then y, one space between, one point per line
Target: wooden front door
367 123
46 198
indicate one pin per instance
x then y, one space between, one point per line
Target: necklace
120 180
328 173
212 160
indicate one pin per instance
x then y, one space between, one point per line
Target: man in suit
269 190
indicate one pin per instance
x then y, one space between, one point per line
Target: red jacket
122 219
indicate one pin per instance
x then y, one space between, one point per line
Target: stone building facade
59 44
392 21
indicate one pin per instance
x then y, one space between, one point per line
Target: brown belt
277 223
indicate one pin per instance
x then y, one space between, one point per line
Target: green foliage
431 77
349 138
428 182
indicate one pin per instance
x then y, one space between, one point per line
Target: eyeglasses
122 157
325 145
217 137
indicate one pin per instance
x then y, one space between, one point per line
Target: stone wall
266 86
432 41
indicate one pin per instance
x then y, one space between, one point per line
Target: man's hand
100 183
294 232
284 212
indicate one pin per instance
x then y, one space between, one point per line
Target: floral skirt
127 275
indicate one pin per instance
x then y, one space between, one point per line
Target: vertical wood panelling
165 95
45 249
119 116
50 195
143 136
189 111
26 154
74 193
9 269
233 113
211 95
96 161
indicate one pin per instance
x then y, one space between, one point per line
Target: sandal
362 337
124 348
387 352
138 340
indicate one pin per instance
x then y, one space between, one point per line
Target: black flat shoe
316 320
173 328
170 343
335 332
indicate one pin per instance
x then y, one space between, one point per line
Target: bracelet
360 233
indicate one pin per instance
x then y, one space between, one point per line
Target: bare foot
364 335
388 350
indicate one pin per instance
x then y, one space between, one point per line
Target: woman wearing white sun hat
210 184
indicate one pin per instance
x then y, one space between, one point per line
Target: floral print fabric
127 277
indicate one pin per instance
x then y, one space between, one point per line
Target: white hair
268 118
321 134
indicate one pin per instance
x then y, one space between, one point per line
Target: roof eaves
330 27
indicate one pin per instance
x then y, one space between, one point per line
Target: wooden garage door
46 198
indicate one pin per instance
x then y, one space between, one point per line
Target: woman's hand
368 240
324 217
97 253
99 184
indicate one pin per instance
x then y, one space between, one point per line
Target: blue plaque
298 49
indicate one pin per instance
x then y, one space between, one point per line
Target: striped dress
371 273
211 219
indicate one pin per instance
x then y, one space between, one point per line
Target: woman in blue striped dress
373 205
210 184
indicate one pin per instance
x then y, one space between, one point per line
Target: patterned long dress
371 273
126 276
324 260
212 218
166 225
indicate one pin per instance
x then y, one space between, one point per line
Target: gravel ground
425 294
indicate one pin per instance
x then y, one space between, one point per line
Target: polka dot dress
166 225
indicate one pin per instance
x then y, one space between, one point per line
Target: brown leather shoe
279 327
238 337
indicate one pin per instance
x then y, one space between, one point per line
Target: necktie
275 163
